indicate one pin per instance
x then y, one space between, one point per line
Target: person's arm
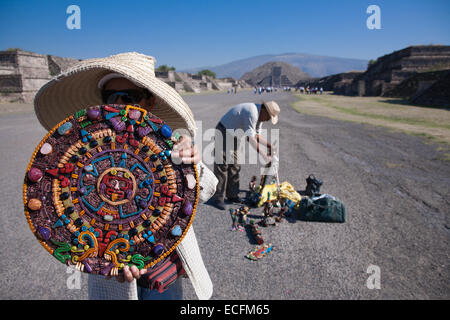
255 142
264 142
189 154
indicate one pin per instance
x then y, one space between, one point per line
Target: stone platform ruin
405 73
23 73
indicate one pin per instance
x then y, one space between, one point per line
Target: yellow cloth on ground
287 191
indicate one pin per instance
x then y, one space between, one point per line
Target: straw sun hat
77 88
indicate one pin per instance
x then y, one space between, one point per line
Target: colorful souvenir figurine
282 212
252 184
243 211
268 209
260 252
235 218
256 232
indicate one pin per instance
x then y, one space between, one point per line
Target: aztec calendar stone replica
101 191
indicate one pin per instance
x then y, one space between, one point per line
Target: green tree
207 72
165 68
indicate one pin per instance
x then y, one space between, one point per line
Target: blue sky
198 33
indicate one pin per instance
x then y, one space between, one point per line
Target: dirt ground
394 185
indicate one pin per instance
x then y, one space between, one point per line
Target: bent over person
129 78
247 117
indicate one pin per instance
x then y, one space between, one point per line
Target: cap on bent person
273 109
79 87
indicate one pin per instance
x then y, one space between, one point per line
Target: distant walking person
248 117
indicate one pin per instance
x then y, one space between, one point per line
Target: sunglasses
131 96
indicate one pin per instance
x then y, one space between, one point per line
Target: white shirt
243 116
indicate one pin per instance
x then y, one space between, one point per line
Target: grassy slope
387 112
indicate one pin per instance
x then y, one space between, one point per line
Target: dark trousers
226 168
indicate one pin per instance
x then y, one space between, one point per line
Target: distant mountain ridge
315 65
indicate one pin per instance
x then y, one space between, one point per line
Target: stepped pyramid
275 74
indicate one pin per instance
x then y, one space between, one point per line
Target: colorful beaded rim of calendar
101 191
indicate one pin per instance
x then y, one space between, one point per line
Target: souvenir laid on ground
239 217
268 221
260 252
268 192
101 191
256 232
